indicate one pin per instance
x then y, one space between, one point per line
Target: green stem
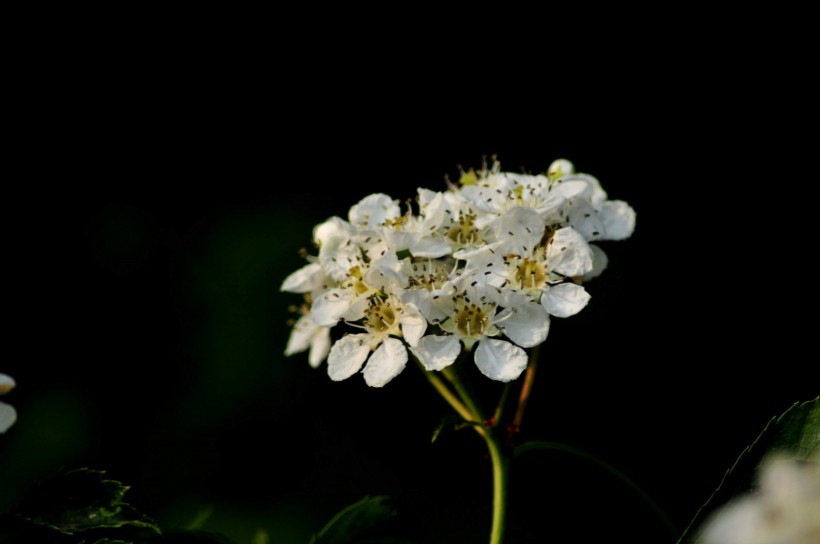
500 464
453 377
500 476
448 395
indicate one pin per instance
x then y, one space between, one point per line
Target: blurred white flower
8 415
783 509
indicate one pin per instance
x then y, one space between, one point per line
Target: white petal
593 193
386 363
385 273
586 220
436 305
618 218
527 325
599 263
347 356
334 229
520 229
6 383
434 208
413 324
319 347
301 335
8 415
500 360
308 278
430 248
374 210
568 253
560 168
330 306
565 299
437 352
568 188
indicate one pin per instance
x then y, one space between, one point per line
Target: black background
157 201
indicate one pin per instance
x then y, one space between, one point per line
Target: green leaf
355 521
447 421
796 432
82 500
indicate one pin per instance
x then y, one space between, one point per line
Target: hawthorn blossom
476 318
385 320
478 268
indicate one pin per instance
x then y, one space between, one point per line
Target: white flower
525 260
590 212
374 210
785 509
385 318
8 415
308 335
310 280
494 192
474 320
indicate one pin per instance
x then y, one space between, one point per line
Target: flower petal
329 307
347 356
8 415
373 210
618 218
413 324
564 300
568 253
599 263
500 360
520 229
526 324
319 346
437 352
301 335
6 383
308 278
386 363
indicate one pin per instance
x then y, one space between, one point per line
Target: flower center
465 231
356 282
381 316
530 274
471 320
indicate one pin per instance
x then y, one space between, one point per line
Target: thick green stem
500 474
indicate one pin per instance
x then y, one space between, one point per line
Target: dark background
157 202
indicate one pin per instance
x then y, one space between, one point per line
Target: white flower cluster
482 266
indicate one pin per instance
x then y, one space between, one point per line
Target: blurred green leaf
353 523
796 432
72 501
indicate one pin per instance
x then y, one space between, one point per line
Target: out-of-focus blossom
8 415
783 509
